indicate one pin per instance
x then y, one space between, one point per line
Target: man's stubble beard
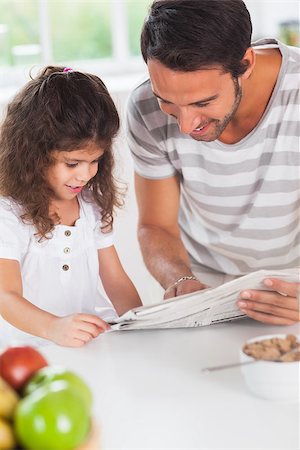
221 125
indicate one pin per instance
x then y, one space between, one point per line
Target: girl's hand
277 307
76 330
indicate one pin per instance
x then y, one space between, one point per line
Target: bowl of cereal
271 366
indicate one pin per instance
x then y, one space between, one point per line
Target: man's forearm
164 254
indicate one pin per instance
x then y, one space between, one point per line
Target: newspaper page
200 308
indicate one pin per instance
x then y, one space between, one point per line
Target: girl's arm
116 283
73 330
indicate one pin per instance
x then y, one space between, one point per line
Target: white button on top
67 233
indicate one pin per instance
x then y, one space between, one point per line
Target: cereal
275 349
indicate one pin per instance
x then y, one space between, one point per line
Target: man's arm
159 236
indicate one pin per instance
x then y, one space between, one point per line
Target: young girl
56 212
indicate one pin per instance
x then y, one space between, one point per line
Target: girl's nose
84 174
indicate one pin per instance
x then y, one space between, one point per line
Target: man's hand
185 287
279 306
75 330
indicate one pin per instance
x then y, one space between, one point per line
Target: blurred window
137 11
80 29
19 32
62 31
47 31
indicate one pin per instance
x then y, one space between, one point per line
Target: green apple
54 373
54 416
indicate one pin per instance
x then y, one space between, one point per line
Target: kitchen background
102 37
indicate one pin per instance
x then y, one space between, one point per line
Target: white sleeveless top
60 275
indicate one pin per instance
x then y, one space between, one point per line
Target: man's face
203 102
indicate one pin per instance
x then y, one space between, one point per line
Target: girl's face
72 170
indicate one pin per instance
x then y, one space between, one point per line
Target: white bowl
271 380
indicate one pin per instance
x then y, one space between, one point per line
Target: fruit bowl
270 379
43 406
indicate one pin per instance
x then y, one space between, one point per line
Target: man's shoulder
286 50
142 98
142 90
293 54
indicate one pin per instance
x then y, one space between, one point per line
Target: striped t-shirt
239 209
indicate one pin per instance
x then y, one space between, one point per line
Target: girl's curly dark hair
57 110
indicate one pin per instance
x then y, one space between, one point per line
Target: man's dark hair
188 35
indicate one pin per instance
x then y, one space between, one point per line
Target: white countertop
150 393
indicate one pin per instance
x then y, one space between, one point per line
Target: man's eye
201 105
71 164
164 102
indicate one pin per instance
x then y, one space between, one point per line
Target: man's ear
248 61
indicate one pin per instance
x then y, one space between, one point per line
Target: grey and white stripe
239 203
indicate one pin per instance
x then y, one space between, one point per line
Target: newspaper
206 307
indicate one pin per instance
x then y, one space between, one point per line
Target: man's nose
188 121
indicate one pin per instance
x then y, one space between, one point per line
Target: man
215 138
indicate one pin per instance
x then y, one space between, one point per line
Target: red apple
18 364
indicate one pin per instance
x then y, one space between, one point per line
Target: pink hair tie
68 69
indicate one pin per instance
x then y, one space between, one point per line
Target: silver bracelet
185 278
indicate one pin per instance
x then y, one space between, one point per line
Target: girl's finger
90 318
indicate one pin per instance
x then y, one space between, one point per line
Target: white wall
266 15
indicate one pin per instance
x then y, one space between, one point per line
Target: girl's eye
72 165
